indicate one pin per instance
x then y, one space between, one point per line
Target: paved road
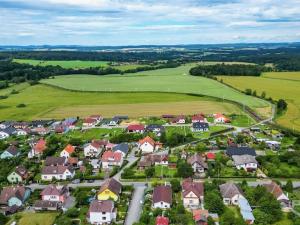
136 204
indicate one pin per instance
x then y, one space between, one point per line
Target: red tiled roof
40 146
199 214
109 156
89 120
136 127
69 148
161 220
197 117
147 139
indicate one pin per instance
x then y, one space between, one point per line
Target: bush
22 105
72 213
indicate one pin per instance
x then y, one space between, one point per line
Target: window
103 218
191 201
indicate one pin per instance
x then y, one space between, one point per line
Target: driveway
136 204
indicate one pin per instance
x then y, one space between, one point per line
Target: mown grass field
36 218
173 80
276 85
44 101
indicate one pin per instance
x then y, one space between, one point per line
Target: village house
136 128
43 205
161 220
162 197
114 122
153 159
220 118
23 132
89 122
11 152
198 118
148 145
156 129
101 212
278 193
70 122
197 162
42 131
19 175
57 172
55 193
14 196
68 151
55 161
7 132
246 162
6 124
179 119
192 193
122 148
111 189
231 193
96 164
200 127
37 149
93 149
110 159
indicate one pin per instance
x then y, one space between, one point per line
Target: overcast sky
134 22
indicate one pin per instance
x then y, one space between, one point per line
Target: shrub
22 105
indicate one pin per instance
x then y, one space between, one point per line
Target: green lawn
36 218
241 120
164 80
43 101
96 133
164 171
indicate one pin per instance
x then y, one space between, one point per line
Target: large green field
173 80
276 85
64 64
44 101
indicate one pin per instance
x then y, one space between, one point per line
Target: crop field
276 85
173 80
44 101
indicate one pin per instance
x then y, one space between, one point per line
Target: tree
281 105
248 91
3 219
149 172
214 203
263 94
289 186
184 170
72 213
254 93
176 186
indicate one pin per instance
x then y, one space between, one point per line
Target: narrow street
136 204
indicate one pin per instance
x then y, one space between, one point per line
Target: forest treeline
228 70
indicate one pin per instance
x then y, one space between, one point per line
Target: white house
101 212
162 197
148 145
57 172
67 152
220 118
110 159
192 193
231 193
55 193
92 149
246 162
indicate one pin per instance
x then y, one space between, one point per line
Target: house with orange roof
278 193
148 145
37 148
67 152
220 118
110 159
